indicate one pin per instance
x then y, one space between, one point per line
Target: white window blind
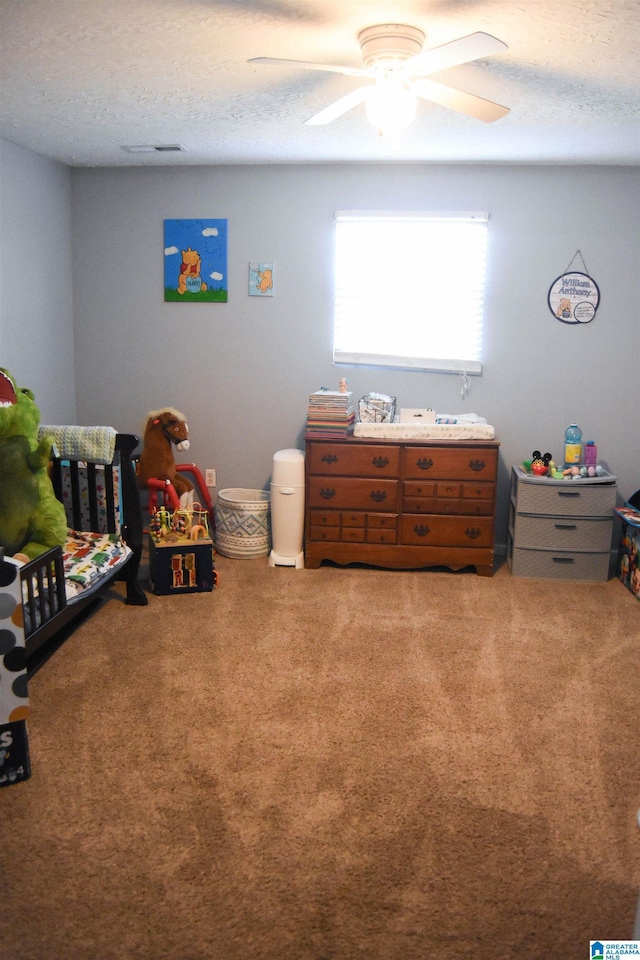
409 289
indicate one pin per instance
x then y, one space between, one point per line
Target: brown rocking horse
164 429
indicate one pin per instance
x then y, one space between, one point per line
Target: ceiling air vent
160 148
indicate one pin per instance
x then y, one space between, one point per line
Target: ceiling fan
397 70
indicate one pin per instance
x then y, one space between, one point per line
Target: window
409 289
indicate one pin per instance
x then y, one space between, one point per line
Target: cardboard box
180 565
628 566
420 415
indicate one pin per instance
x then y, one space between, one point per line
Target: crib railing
43 590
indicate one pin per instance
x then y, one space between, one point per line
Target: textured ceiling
80 79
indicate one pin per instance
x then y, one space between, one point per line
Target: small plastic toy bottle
572 445
590 454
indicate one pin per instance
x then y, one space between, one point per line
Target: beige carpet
333 764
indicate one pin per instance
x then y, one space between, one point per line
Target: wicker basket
243 527
375 408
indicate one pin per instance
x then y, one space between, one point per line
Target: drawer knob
477 465
472 532
327 493
378 495
329 458
380 461
424 463
421 530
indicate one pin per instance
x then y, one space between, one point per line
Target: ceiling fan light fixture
394 59
389 42
390 106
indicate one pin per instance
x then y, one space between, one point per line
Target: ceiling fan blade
308 65
341 106
463 50
467 103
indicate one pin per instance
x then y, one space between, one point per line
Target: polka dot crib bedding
14 696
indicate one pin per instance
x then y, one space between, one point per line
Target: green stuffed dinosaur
32 520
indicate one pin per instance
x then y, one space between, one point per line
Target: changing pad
425 431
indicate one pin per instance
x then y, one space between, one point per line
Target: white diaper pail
287 509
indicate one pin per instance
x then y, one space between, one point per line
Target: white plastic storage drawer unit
560 529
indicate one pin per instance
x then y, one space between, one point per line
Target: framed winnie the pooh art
195 261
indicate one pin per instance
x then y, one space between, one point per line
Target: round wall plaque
574 298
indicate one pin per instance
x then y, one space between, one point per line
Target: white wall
36 314
242 371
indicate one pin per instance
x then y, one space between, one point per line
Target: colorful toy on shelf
540 463
191 523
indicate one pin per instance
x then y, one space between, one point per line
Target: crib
93 475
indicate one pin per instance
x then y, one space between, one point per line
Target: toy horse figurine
163 430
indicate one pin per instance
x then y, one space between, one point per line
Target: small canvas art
260 279
195 261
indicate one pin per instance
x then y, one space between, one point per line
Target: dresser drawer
372 521
559 533
442 463
343 493
349 527
471 499
320 518
432 530
381 536
343 460
382 521
558 565
570 498
353 535
416 488
324 533
478 491
354 519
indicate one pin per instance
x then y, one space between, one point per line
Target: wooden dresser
401 504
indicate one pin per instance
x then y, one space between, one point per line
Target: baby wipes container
287 509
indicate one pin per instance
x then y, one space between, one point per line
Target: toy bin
628 566
242 523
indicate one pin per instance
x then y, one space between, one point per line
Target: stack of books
330 414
